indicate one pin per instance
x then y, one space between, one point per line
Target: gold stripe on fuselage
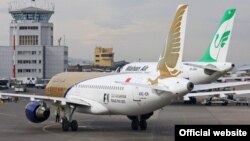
60 83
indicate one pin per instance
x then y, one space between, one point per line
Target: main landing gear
140 121
67 121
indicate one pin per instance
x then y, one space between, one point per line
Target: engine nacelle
36 112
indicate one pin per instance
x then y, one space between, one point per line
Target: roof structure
31 10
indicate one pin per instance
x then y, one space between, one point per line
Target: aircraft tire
65 124
226 103
209 103
143 125
135 124
74 125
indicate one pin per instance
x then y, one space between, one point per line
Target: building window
30 16
26 71
28 28
33 61
51 40
28 40
40 61
97 60
65 61
23 28
107 55
27 52
26 61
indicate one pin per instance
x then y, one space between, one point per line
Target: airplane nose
190 86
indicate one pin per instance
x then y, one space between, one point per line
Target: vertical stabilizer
218 48
170 61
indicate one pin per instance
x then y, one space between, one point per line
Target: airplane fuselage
108 94
195 72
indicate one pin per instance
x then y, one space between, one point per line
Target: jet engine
37 112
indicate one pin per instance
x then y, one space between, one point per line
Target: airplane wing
219 93
200 87
62 100
234 78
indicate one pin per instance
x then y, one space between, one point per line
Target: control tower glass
31 14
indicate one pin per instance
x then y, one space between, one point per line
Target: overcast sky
138 28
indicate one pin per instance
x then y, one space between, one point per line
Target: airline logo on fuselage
136 68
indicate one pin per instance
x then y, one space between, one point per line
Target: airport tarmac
15 126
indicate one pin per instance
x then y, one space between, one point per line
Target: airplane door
136 96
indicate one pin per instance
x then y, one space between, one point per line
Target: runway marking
8 115
63 134
60 134
53 133
212 114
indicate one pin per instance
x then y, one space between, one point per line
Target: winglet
170 61
218 48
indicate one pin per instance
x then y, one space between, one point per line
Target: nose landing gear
67 121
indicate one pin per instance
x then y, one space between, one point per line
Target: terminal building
31 53
104 57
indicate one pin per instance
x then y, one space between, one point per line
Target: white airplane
210 67
217 51
134 95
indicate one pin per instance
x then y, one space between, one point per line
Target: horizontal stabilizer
200 87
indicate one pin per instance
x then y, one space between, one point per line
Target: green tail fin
218 48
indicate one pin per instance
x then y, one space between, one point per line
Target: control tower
31 26
31 53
